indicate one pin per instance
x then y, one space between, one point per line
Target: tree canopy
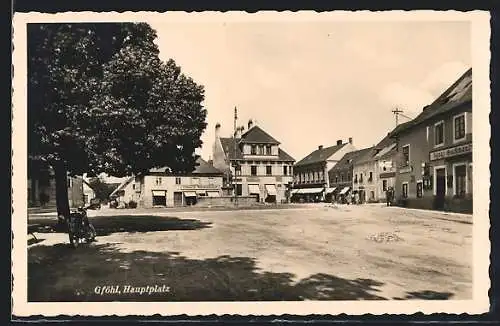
101 100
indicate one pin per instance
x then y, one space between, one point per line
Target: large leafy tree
101 100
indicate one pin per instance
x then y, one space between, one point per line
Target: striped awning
294 191
271 190
253 189
330 190
190 194
159 192
311 190
213 194
344 190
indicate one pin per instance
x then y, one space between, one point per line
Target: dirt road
313 253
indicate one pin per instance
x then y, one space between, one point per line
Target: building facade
254 164
435 152
41 187
311 182
162 188
341 176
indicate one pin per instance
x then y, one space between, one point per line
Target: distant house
255 163
341 176
311 173
42 186
163 188
88 192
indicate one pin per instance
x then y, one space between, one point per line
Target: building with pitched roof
435 152
311 182
341 175
163 188
254 163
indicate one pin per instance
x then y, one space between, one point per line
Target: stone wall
225 201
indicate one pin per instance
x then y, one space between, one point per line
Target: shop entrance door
177 198
440 188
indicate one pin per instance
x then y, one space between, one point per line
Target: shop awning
294 191
329 190
190 194
344 190
311 190
213 194
201 192
159 192
254 189
271 190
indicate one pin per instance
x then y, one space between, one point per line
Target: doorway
440 188
177 198
159 199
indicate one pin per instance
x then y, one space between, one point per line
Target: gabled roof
348 159
121 186
234 152
256 135
320 155
458 93
202 167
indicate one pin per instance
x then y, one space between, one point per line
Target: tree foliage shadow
106 225
60 273
426 295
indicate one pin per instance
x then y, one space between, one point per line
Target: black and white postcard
253 164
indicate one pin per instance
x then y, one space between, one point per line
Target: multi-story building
311 182
254 163
341 175
435 152
162 188
42 186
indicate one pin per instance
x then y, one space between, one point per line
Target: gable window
268 150
177 181
253 150
406 155
439 133
269 170
285 170
459 127
405 190
253 170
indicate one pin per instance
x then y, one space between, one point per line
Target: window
269 170
177 181
253 150
372 195
341 178
405 190
355 178
261 150
384 185
439 133
370 179
361 178
406 155
268 150
459 127
285 170
253 170
239 189
419 189
237 169
133 186
427 133
158 181
460 182
336 179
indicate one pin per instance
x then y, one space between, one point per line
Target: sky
312 83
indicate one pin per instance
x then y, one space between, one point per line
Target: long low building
162 188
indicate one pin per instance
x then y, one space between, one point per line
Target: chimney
339 142
217 130
250 123
239 132
350 140
320 147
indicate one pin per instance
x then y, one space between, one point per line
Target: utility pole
235 162
396 113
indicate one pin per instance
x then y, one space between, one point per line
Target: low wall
226 201
451 204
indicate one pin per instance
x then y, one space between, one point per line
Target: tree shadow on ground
106 225
426 295
61 273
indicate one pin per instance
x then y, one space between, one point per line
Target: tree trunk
62 200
